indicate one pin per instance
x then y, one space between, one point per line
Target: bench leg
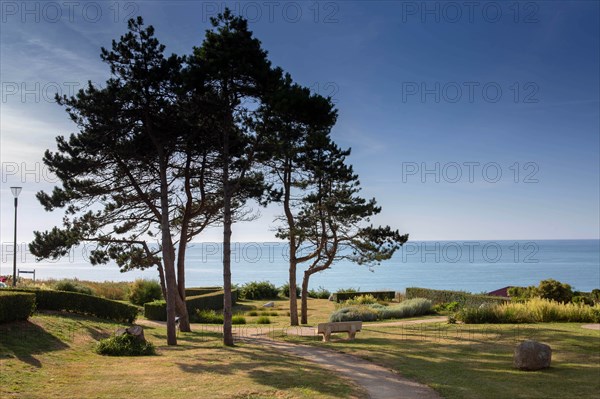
327 335
351 333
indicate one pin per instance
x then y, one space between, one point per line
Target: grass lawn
475 361
51 356
318 311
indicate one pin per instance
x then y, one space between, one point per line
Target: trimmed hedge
16 305
83 304
157 310
381 295
195 291
446 296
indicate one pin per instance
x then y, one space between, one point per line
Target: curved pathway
595 326
379 382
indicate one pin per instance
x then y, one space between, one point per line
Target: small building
503 292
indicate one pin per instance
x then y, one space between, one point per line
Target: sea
473 266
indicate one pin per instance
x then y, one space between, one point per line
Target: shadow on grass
268 368
24 339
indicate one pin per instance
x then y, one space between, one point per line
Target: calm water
475 266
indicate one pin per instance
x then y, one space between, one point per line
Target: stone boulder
532 355
269 305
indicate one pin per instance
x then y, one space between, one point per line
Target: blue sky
465 122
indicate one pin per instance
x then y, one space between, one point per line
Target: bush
16 305
125 345
263 320
73 286
537 310
208 316
253 313
367 299
284 290
354 313
446 296
258 290
340 290
408 308
583 299
380 295
446 307
238 319
555 290
157 310
83 304
320 293
143 291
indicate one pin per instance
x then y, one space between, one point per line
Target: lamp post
15 191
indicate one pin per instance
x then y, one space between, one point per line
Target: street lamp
15 191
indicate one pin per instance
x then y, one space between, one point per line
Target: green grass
52 356
475 361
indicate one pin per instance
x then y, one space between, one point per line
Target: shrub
143 291
253 313
409 308
582 299
73 286
208 316
354 313
448 307
320 293
537 310
84 304
157 310
445 296
367 299
340 290
258 290
117 290
381 295
125 345
16 305
555 290
284 290
238 319
263 320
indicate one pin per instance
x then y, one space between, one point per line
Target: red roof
501 292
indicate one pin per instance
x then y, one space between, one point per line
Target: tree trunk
304 300
161 279
227 313
184 319
293 293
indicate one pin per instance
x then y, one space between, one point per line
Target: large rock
532 355
269 305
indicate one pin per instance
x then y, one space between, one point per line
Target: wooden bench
351 327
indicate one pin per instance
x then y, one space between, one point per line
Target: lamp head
16 191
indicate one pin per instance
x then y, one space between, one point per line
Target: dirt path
379 382
595 326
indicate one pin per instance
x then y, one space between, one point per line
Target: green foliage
253 313
16 305
263 320
73 286
596 294
366 299
354 313
157 310
238 319
447 307
555 290
125 345
143 291
208 316
258 290
537 310
522 293
380 295
320 293
409 308
84 304
583 299
446 296
284 290
340 290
